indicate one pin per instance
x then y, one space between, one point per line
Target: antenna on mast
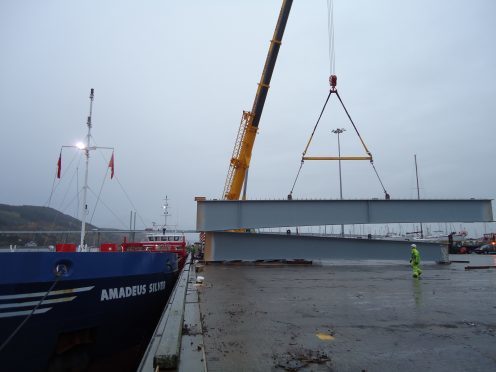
84 209
92 96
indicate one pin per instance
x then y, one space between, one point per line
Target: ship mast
165 207
84 209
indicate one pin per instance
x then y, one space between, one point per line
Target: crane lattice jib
249 122
236 151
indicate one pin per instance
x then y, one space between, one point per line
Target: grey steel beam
221 215
227 246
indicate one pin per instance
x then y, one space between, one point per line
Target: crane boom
247 133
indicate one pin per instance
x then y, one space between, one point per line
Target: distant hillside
30 218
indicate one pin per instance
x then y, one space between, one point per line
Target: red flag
59 165
111 166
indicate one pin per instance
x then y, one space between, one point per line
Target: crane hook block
333 80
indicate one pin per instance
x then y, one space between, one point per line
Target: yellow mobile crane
240 161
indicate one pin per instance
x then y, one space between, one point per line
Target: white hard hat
413 246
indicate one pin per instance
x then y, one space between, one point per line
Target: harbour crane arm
247 133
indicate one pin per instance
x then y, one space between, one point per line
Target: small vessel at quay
162 239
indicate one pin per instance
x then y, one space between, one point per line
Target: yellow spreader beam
337 158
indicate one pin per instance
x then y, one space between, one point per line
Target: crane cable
358 134
332 80
330 30
308 143
332 68
354 126
386 195
364 146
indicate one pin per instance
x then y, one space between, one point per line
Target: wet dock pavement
348 317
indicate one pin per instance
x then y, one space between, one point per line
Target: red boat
163 241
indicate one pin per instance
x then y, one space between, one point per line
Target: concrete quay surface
359 316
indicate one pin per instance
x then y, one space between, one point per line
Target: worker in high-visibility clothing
415 262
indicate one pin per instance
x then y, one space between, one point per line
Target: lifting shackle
333 80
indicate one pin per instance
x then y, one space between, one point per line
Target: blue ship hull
99 315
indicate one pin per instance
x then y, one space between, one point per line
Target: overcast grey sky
172 78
